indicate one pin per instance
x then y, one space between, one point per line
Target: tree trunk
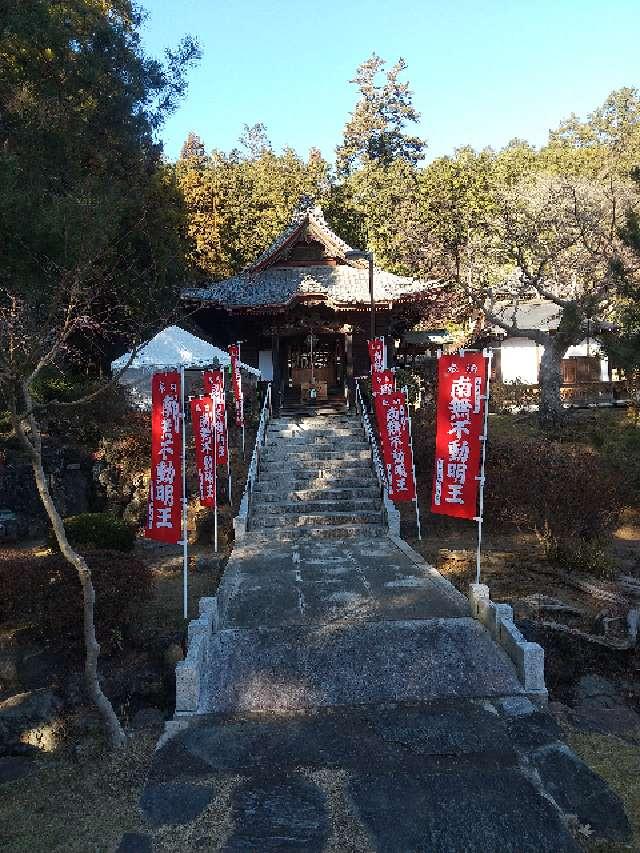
551 413
115 731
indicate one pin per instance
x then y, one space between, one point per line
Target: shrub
97 530
569 495
46 592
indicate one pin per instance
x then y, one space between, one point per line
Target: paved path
351 704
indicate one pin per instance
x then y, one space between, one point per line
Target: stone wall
70 476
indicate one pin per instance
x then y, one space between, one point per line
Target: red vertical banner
383 382
204 435
376 354
222 446
164 515
398 458
462 384
214 388
214 385
236 379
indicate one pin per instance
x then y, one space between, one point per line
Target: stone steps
313 470
300 667
301 481
316 445
336 532
334 519
268 494
304 508
289 454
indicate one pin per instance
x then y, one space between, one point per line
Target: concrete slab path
350 703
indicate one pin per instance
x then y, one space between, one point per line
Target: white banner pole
185 535
215 481
240 394
488 355
413 464
226 432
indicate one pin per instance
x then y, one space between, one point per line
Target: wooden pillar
276 382
348 365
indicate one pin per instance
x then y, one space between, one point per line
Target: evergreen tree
376 129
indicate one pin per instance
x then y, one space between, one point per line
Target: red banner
462 382
214 388
222 445
214 385
376 354
396 446
204 435
234 352
383 382
164 516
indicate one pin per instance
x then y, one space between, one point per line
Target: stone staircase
316 479
340 694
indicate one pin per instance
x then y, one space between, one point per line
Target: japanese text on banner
164 514
462 381
204 435
376 354
236 376
214 388
382 382
214 385
396 444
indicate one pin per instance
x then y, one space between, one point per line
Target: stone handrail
241 521
391 511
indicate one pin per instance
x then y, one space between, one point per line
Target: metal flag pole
488 354
240 394
185 536
215 481
413 464
226 435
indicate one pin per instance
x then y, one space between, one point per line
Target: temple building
302 310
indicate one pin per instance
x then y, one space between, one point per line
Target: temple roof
279 277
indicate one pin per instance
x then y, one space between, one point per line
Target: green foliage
46 592
239 202
89 214
375 132
97 530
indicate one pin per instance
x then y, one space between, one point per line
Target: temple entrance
315 367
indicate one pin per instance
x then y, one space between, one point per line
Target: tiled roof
339 286
539 314
304 215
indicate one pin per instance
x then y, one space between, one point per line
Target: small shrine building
302 311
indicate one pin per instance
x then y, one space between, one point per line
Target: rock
578 791
39 668
289 810
22 712
147 718
174 803
36 706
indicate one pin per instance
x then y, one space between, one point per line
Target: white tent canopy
173 347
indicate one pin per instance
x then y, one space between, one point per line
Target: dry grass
618 762
77 805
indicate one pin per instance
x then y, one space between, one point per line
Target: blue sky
482 71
